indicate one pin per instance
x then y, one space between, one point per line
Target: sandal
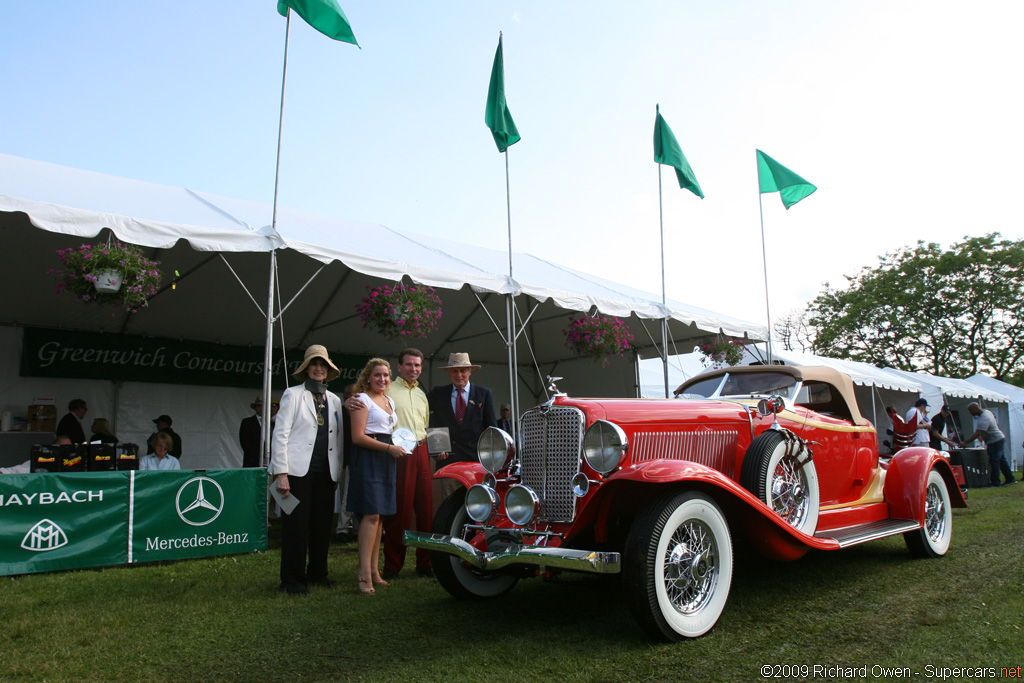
379 581
365 590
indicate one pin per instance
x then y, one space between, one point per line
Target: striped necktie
460 407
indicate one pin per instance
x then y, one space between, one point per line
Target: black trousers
307 530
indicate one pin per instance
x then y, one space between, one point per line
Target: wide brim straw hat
317 351
459 360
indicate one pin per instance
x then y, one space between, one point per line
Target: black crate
102 457
44 459
73 458
126 456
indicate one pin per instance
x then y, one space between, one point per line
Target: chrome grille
714 449
549 456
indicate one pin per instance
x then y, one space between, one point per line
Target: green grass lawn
223 619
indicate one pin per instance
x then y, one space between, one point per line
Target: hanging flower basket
401 311
597 338
108 281
114 274
721 352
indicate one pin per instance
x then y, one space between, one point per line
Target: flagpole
664 321
268 350
764 261
510 310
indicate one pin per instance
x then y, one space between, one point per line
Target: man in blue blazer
472 402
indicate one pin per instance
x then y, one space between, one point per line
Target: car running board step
862 533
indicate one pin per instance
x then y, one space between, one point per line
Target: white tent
221 246
1015 449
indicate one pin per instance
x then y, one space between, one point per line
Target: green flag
774 177
497 116
323 15
667 151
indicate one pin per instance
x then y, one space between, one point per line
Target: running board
862 533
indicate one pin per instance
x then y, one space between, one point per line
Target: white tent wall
1015 448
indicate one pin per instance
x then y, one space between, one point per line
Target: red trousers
414 485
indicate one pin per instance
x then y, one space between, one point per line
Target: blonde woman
102 432
371 488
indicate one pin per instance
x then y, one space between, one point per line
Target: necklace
319 399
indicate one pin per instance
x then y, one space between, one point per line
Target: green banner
91 355
63 521
195 514
92 519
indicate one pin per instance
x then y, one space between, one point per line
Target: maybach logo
45 535
197 504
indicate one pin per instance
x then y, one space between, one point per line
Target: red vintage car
656 489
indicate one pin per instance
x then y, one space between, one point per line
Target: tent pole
268 349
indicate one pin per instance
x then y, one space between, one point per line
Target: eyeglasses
321 363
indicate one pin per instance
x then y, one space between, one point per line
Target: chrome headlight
604 446
495 449
521 504
481 501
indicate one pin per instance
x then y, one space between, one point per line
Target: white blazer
295 432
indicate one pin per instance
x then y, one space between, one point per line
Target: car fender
906 482
466 473
748 515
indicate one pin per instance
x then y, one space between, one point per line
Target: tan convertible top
807 374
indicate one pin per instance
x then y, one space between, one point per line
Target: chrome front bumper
592 561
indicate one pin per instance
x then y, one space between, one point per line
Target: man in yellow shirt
414 483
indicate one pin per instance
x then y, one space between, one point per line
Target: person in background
505 421
942 422
924 426
465 409
163 424
160 458
71 424
347 529
102 432
986 429
250 429
371 491
306 461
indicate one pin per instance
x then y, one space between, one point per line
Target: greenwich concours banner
90 355
92 519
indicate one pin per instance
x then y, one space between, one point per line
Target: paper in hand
287 504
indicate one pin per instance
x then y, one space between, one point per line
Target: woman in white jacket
305 461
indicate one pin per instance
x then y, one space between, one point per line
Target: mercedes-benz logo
197 505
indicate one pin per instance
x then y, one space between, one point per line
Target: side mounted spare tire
778 468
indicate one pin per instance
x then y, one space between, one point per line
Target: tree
794 333
952 312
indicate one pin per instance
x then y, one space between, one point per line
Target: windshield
737 385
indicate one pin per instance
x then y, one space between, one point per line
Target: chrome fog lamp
521 504
580 485
604 446
495 448
481 501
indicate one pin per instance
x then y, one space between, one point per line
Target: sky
905 114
